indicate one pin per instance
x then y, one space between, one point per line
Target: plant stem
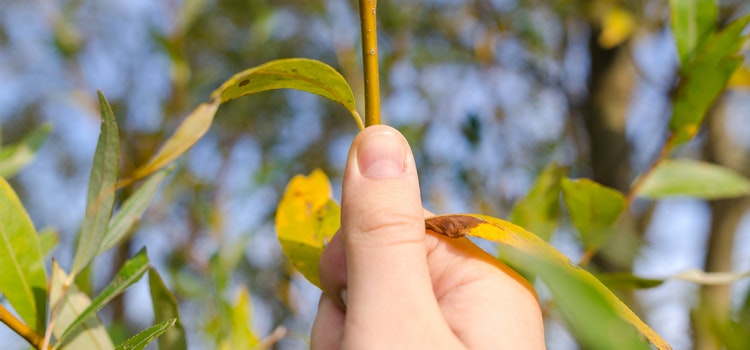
367 17
20 328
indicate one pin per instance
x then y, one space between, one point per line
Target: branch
367 14
20 328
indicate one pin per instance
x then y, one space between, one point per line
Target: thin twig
367 14
20 328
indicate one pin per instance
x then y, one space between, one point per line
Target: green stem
367 14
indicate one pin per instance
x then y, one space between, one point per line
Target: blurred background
488 92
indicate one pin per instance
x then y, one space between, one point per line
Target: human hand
387 284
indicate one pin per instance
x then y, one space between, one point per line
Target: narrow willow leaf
242 337
130 273
628 281
306 218
24 281
293 73
142 339
165 308
67 303
703 79
594 209
132 210
507 233
48 239
13 158
591 315
692 23
683 177
101 193
710 278
187 134
540 209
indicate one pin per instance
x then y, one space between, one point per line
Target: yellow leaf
740 79
617 26
306 219
507 233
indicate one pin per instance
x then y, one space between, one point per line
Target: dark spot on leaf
244 82
453 226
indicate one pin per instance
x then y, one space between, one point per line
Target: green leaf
48 239
241 336
541 259
294 73
693 22
187 134
142 339
101 193
166 308
306 219
132 210
130 273
703 79
628 281
67 303
594 209
683 177
538 212
591 314
14 158
24 281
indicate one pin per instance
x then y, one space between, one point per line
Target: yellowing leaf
506 233
294 73
306 218
23 280
617 26
594 209
683 177
241 337
740 79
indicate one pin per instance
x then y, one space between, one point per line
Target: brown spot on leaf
244 82
453 226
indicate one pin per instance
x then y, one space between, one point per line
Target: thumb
384 236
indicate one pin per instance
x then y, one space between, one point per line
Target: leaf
740 79
692 22
617 26
48 239
540 209
506 233
24 281
306 218
187 134
101 193
594 209
628 281
132 210
293 73
67 303
242 337
710 278
14 158
165 308
703 79
130 273
142 339
683 177
592 316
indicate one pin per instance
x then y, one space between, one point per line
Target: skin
389 284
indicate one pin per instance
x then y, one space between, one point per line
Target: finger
328 327
332 268
384 238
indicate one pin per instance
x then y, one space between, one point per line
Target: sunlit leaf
683 177
702 80
130 273
305 219
142 339
242 337
165 308
101 192
692 22
132 210
591 315
507 233
22 275
539 210
617 26
594 209
48 239
293 73
740 79
710 278
14 157
187 134
67 303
